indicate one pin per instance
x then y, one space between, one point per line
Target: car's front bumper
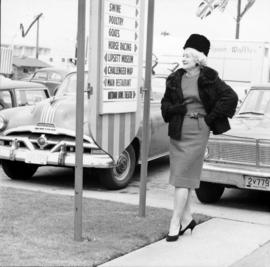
230 174
10 150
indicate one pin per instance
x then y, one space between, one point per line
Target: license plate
35 157
257 183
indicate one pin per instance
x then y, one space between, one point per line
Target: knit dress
187 154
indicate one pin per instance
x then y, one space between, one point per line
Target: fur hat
198 42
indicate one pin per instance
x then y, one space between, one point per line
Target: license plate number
36 158
257 183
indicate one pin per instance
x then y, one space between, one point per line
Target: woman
196 101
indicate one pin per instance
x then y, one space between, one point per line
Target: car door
159 144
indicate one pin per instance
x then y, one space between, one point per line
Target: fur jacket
218 99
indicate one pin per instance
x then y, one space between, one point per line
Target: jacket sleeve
226 102
168 109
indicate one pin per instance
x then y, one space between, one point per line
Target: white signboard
120 40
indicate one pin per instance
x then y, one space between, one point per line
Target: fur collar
207 75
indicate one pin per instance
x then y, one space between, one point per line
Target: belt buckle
194 115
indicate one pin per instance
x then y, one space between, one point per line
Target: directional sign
121 31
115 72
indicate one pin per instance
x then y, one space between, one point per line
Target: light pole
238 18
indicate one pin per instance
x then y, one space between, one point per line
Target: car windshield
27 97
69 84
257 102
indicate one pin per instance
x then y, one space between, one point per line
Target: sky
177 17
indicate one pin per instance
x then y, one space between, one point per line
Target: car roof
6 83
59 70
261 86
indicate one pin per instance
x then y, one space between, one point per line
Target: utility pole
238 18
37 39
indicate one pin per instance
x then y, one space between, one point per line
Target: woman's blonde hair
199 57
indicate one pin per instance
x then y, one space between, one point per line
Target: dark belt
195 115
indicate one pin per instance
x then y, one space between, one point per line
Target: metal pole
238 18
79 122
146 109
37 41
0 32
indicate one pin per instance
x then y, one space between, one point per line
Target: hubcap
122 167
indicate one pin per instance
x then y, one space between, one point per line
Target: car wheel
18 170
209 192
119 176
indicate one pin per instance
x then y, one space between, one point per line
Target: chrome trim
89 160
231 175
30 146
230 169
45 130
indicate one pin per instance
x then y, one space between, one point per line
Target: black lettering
128 94
115 8
123 82
116 20
129 71
113 45
125 46
112 95
120 94
117 70
113 57
127 58
109 82
114 33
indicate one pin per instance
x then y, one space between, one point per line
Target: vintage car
44 134
240 158
50 77
18 93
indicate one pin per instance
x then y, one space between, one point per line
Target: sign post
79 122
146 110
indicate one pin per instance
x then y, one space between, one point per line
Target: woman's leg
187 217
180 199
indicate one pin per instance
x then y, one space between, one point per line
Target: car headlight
3 123
206 153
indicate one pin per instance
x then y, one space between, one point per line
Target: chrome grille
54 142
264 154
242 151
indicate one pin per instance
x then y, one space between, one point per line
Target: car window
53 76
158 88
5 99
41 75
257 101
29 97
69 84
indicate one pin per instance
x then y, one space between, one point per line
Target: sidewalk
215 243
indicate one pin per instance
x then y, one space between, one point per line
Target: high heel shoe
171 238
190 226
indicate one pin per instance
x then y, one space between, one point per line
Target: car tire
209 192
18 170
119 176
